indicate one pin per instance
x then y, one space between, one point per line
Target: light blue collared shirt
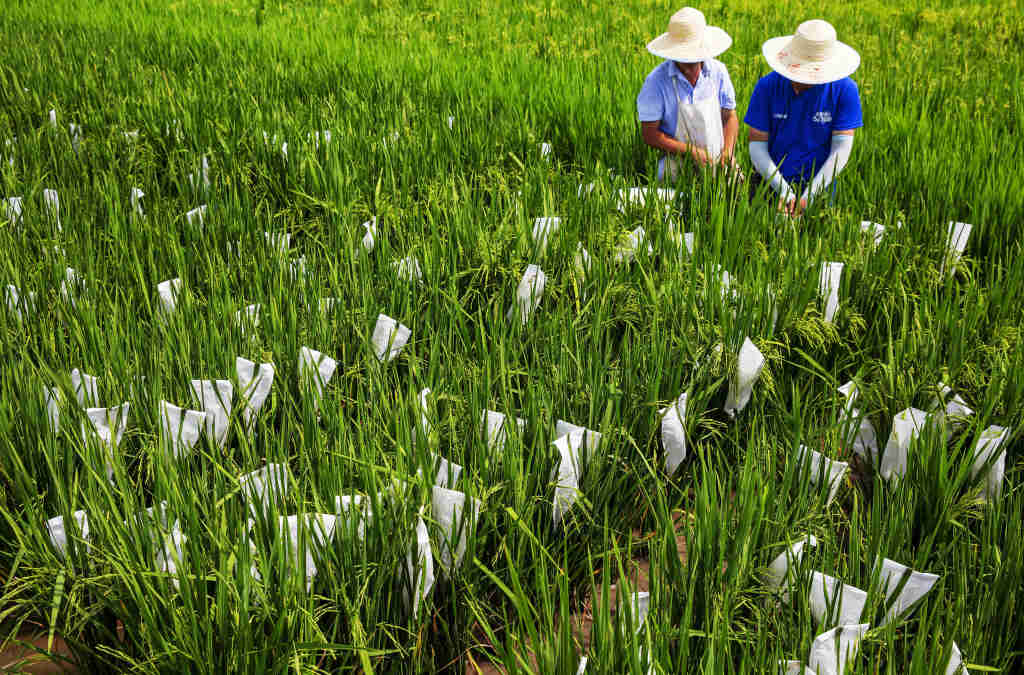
657 98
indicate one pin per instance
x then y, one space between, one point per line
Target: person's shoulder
660 71
717 67
768 83
847 85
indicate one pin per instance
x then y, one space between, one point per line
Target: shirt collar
675 72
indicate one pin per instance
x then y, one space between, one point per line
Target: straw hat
812 55
689 38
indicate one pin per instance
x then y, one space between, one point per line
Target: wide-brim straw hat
812 55
689 38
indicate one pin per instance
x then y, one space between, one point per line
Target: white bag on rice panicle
70 286
906 426
543 228
627 251
834 603
637 197
201 177
353 513
584 190
682 241
370 237
254 383
832 651
196 216
264 487
673 433
456 515
57 529
858 431
572 454
86 388
180 428
876 231
303 535
15 302
901 599
408 269
135 198
53 118
447 474
215 397
591 438
828 288
778 572
51 396
947 405
955 665
15 210
389 338
545 151
170 551
493 424
638 607
108 425
316 369
424 427
988 460
528 294
581 261
278 242
51 200
420 566
248 318
956 242
824 469
168 292
748 369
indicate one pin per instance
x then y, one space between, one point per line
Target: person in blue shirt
687 106
803 115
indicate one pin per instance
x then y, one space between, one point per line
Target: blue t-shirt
800 127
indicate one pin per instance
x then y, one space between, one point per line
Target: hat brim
715 42
844 62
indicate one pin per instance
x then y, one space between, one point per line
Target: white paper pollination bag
70 286
447 474
215 397
828 288
52 398
304 536
201 177
948 406
627 251
315 371
906 426
254 383
424 426
168 292
57 529
52 202
264 487
248 319
955 665
420 565
858 431
528 294
900 597
822 470
834 603
180 428
196 216
370 235
408 269
572 455
352 514
493 424
389 338
278 242
741 384
637 197
876 231
990 462
135 198
108 425
543 228
15 210
830 652
778 576
456 515
673 433
582 262
956 243
591 438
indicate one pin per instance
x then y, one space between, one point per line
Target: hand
798 206
700 155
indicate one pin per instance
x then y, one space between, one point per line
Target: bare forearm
659 140
731 131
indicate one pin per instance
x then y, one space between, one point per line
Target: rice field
359 337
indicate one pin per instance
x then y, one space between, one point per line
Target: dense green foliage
943 142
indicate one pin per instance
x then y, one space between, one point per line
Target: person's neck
799 88
691 71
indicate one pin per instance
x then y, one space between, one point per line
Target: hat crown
814 40
687 25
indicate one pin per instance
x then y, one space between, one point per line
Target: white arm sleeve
842 145
764 165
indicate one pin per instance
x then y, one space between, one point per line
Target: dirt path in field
637 579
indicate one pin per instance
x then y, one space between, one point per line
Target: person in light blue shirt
802 116
687 105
